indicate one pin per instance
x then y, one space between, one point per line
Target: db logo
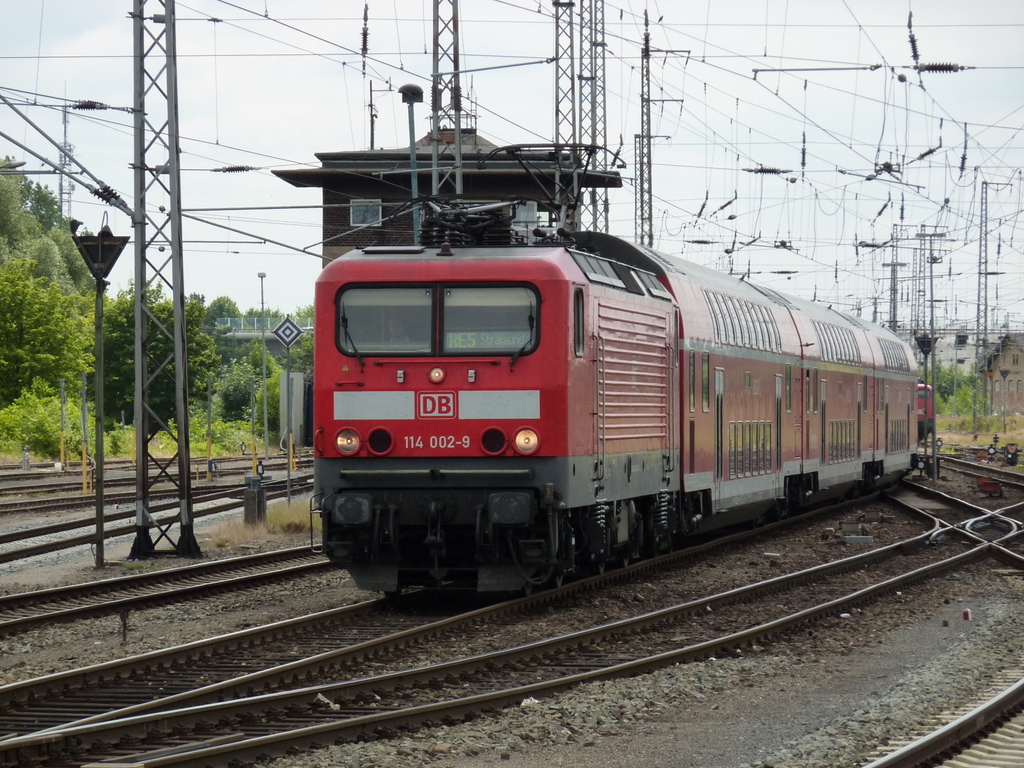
435 405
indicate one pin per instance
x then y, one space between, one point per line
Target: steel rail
80 678
243 685
28 609
356 727
965 730
275 490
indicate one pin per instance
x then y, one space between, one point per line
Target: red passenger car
496 417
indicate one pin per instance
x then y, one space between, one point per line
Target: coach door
824 457
719 427
777 469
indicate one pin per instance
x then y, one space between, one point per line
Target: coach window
789 389
578 321
693 381
705 375
385 321
489 320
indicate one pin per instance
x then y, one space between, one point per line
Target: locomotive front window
489 320
385 321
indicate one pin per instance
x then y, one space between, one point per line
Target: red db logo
435 405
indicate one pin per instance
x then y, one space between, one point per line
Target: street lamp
263 340
412 95
1004 372
100 252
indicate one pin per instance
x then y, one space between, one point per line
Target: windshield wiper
530 322
348 336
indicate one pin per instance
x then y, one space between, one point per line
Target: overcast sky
864 145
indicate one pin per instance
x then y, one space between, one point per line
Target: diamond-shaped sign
288 332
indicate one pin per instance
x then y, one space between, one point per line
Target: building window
365 213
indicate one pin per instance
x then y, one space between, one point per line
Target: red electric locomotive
496 417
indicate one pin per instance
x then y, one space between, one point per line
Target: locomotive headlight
527 441
348 441
437 374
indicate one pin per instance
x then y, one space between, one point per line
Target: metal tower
161 366
593 121
446 97
566 128
64 184
644 205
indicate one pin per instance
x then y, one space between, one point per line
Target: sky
794 141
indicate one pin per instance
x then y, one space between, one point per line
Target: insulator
106 194
941 67
913 47
89 104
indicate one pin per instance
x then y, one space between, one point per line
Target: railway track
989 735
119 474
346 709
22 611
275 489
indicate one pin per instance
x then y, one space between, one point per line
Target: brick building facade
1008 357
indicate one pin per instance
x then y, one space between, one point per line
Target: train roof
823 333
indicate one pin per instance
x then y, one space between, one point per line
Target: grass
281 519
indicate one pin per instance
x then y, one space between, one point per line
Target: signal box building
366 194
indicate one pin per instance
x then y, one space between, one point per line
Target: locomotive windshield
389 321
488 320
474 320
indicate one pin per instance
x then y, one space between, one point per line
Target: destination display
486 340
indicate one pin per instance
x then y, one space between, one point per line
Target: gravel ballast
823 697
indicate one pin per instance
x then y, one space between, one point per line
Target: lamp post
1004 372
412 95
99 252
263 340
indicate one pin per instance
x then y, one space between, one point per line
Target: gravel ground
823 697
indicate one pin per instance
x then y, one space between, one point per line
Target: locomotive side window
579 330
489 320
385 321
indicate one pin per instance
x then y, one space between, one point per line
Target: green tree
235 388
220 307
44 333
31 227
33 421
119 353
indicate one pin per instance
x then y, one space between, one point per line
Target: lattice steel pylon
65 186
593 120
566 128
161 365
644 221
446 97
